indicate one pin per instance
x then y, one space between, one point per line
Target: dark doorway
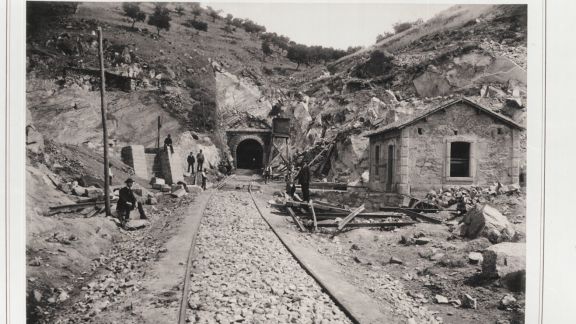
249 155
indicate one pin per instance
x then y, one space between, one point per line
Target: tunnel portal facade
249 147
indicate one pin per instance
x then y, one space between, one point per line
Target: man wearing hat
126 201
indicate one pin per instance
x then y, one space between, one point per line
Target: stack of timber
315 214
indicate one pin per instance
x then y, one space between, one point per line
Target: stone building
460 143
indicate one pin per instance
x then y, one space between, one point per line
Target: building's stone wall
423 159
491 153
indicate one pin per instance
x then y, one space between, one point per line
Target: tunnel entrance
249 155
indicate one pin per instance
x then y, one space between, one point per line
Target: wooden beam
313 215
370 224
348 218
296 220
417 216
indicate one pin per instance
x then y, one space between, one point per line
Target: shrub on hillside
197 24
180 10
252 27
378 64
402 26
214 14
382 37
132 10
160 18
196 10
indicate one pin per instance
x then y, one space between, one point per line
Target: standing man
126 202
304 181
168 142
204 177
110 175
191 161
200 160
267 173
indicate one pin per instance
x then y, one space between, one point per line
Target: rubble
488 222
506 261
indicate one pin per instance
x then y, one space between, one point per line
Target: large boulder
506 261
486 221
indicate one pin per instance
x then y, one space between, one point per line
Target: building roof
399 124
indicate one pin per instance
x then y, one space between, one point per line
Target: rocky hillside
200 82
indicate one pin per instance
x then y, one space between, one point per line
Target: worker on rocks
126 202
200 160
168 143
304 181
190 159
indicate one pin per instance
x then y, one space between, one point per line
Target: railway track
320 288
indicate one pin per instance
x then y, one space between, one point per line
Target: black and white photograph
279 162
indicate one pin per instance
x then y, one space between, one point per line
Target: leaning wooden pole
104 130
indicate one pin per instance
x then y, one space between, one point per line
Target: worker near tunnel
304 181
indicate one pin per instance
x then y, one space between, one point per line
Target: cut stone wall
423 151
171 164
135 157
491 149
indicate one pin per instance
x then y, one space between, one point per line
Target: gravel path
243 273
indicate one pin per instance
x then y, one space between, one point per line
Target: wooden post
313 215
158 139
104 130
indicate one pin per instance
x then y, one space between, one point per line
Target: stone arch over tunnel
250 154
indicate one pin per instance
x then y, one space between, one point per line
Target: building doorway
249 155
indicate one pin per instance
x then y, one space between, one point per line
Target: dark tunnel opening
249 155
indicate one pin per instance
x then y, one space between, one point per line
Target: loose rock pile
243 273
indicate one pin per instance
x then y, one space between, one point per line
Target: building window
376 159
459 159
420 131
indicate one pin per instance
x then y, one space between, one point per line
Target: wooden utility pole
158 139
104 130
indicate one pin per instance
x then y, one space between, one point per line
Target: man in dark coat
168 142
126 201
304 181
200 160
190 159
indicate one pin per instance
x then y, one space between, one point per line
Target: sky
337 25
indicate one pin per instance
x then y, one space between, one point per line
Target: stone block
166 188
94 192
176 187
488 222
179 193
157 186
156 180
506 261
136 224
79 191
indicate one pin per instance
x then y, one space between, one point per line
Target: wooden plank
370 224
350 217
418 216
313 215
296 220
361 215
392 209
85 204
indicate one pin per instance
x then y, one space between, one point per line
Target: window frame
471 160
